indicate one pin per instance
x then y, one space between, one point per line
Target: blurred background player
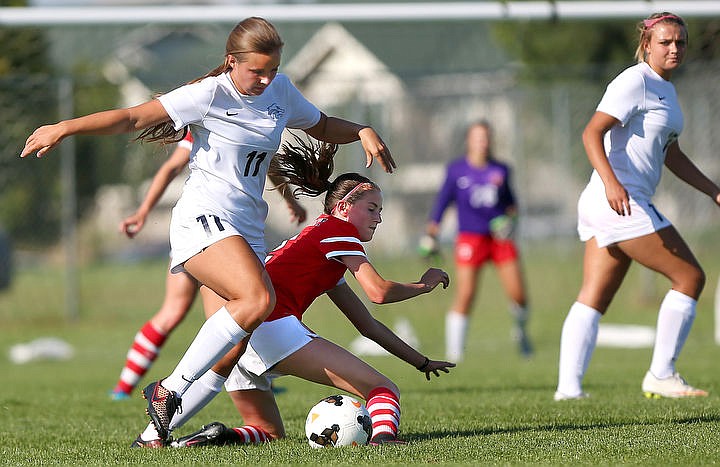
180 289
304 267
479 186
632 134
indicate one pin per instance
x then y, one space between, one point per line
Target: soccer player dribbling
236 113
304 267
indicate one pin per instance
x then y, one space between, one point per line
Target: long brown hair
308 165
251 35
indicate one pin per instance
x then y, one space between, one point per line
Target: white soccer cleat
674 387
559 396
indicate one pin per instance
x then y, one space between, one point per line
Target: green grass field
494 408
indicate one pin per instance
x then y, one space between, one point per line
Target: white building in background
333 68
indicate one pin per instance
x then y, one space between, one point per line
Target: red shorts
475 249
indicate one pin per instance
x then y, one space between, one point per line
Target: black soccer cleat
212 434
162 405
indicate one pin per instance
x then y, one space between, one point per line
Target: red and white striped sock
249 434
384 408
140 357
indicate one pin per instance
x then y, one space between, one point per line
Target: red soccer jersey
308 265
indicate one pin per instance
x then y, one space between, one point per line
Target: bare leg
604 270
180 291
667 253
326 363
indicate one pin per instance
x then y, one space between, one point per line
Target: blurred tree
30 195
566 50
589 49
26 197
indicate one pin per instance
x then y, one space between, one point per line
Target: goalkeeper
479 186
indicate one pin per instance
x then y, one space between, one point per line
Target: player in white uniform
237 113
632 134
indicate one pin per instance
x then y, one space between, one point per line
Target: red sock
384 408
249 434
143 352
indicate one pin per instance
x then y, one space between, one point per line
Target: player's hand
618 198
434 276
132 225
434 366
42 140
375 148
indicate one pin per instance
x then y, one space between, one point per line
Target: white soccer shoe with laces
673 387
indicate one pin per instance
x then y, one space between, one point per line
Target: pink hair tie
356 188
648 23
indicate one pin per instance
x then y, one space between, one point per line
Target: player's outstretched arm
356 311
339 131
380 290
107 122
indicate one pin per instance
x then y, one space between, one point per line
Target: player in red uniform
301 269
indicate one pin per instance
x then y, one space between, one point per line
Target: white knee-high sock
676 316
200 393
577 342
456 325
216 337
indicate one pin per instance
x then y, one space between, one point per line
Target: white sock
200 393
577 342
456 325
216 337
676 316
150 433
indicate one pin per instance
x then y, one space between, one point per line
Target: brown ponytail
304 164
308 166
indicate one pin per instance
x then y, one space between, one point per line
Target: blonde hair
646 26
251 35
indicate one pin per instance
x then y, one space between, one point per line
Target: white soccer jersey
650 120
235 137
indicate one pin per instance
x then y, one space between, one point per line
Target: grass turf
494 408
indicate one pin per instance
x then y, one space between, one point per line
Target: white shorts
270 343
194 228
597 219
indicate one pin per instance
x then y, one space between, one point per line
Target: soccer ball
338 421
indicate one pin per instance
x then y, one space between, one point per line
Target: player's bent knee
251 312
692 283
